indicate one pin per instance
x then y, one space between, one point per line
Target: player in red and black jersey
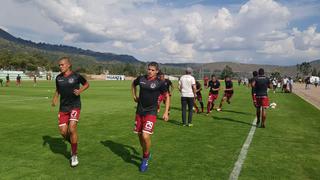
69 90
253 94
228 92
214 86
169 87
261 85
150 89
199 97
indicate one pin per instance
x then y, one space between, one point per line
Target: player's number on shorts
74 114
149 125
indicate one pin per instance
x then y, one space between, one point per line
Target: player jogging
228 92
199 97
261 85
146 114
214 86
168 84
68 87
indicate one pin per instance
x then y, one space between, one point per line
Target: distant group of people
18 81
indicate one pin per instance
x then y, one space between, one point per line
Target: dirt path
312 95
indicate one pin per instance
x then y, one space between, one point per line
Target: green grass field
31 147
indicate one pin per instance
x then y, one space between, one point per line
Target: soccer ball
273 105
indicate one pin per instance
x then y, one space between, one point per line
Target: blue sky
283 32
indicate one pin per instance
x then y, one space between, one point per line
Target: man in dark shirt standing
261 85
168 84
199 97
214 86
228 92
68 87
146 114
253 94
18 80
7 80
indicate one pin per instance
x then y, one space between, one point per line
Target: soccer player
18 83
7 80
214 86
1 81
187 88
261 85
253 94
146 114
228 92
168 84
68 87
199 97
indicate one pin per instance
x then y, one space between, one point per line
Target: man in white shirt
187 88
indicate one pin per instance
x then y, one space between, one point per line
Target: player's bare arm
134 92
55 99
77 92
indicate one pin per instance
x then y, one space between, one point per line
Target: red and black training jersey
229 85
167 83
261 86
65 87
150 89
214 85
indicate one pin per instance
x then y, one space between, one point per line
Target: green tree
304 68
276 75
227 71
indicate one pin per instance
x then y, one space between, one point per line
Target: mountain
99 56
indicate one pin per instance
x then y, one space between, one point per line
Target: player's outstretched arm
166 112
55 99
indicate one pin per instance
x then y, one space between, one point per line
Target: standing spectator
290 83
187 88
307 81
274 85
18 83
7 80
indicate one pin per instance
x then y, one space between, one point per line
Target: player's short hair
255 73
261 71
189 70
213 75
68 59
154 64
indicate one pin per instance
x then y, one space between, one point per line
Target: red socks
74 147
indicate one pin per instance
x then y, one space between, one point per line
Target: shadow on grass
231 120
56 145
237 112
123 151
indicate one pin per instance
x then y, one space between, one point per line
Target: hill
99 56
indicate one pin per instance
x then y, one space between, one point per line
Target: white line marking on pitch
243 153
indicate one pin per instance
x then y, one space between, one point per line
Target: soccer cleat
184 125
190 125
228 102
218 109
74 161
144 164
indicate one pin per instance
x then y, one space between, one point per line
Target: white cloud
256 31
